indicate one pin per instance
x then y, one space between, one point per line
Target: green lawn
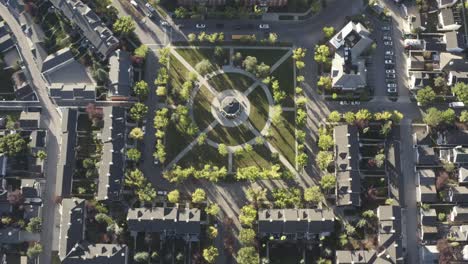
175 142
195 55
229 81
201 155
260 157
202 108
268 56
285 75
178 74
259 108
283 138
231 136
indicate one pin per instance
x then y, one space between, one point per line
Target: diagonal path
189 67
190 146
281 60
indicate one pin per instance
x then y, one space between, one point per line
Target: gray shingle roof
295 221
120 73
111 168
164 220
91 26
66 161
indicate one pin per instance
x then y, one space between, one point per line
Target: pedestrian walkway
280 61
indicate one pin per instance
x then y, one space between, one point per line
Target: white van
457 105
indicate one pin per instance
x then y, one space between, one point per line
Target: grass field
195 55
202 108
260 157
259 108
201 155
231 136
178 74
268 56
229 81
285 75
283 136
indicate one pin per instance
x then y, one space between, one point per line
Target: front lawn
195 55
231 81
202 108
283 138
285 75
231 136
268 56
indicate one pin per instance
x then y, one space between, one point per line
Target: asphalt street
50 120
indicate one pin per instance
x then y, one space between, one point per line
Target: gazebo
230 107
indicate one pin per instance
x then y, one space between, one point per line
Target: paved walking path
190 146
281 60
189 67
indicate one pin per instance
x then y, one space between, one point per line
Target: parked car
390 71
390 75
264 26
457 105
150 8
389 62
391 85
344 103
164 23
200 26
388 43
161 193
385 28
135 4
388 57
391 90
389 52
386 37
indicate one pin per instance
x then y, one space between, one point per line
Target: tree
248 215
313 195
198 196
440 82
425 96
262 70
329 32
137 133
173 196
287 198
464 116
141 257
460 90
222 149
322 54
133 154
191 37
323 159
328 182
379 160
300 65
247 236
448 116
250 64
256 195
138 111
180 12
445 251
124 26
363 115
41 154
141 89
34 225
349 117
272 38
161 90
325 142
103 218
325 82
203 67
12 144
210 254
212 209
301 159
247 255
212 232
299 53
334 117
141 51
433 117
34 251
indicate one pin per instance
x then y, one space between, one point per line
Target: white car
390 71
391 75
150 8
343 102
164 23
200 26
391 90
391 85
387 37
264 26
388 43
389 52
389 62
386 28
135 4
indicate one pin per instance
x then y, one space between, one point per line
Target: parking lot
381 66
